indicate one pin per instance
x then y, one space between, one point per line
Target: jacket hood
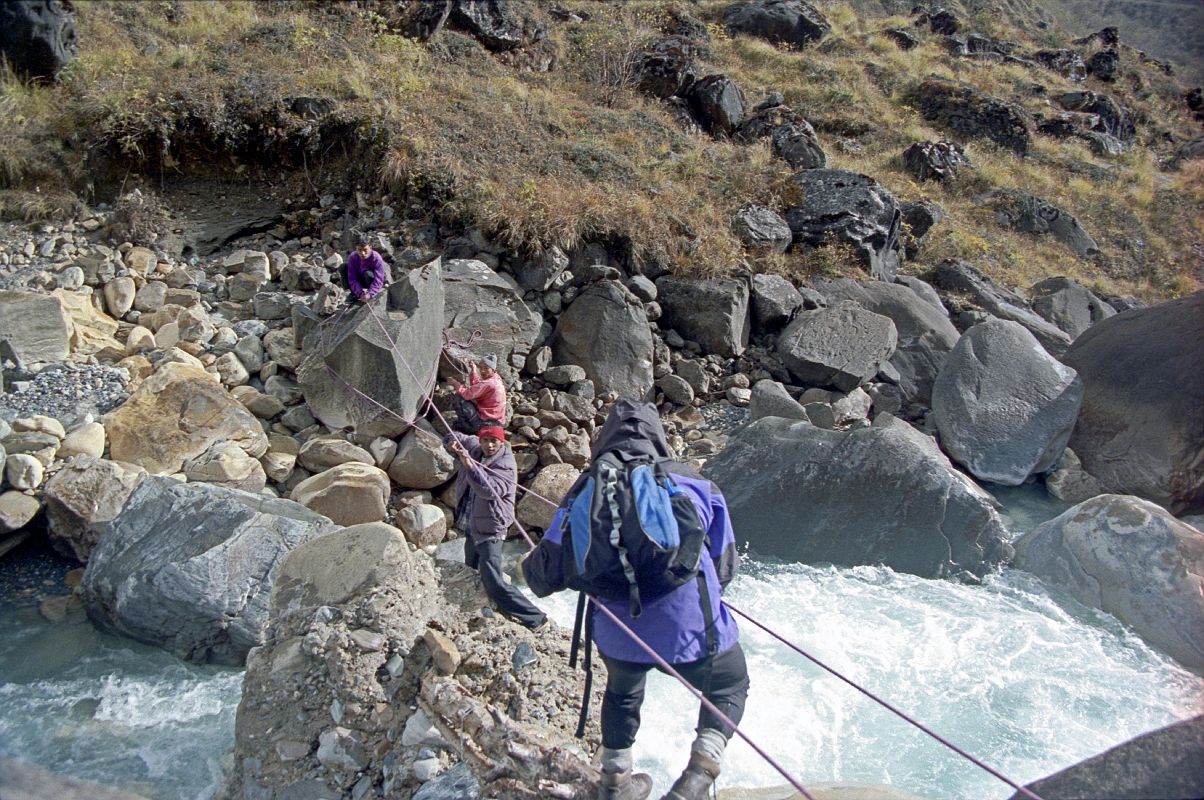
632 429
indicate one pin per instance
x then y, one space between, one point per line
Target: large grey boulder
790 22
1130 558
371 369
1140 430
960 277
925 334
1069 305
34 328
969 112
1162 763
541 270
1003 406
479 299
190 567
879 495
712 312
606 332
839 206
841 346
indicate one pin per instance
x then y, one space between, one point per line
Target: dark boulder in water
879 495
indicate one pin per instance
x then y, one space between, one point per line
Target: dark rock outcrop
918 219
1104 64
790 22
37 37
1067 63
1030 214
713 312
842 346
370 368
190 566
717 103
905 39
1130 558
1069 305
606 332
969 112
1003 406
879 495
1139 431
669 66
1161 763
960 277
935 160
791 136
843 207
1110 117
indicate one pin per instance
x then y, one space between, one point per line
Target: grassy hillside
334 97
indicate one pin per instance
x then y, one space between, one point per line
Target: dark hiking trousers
722 679
486 558
468 419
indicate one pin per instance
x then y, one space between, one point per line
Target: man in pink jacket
483 400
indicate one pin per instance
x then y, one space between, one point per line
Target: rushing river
1023 678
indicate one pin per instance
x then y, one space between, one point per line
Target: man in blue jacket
485 487
689 628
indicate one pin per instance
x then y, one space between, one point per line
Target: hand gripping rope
429 387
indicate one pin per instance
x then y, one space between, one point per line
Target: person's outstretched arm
543 567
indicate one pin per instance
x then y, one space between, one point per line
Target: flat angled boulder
176 415
1162 763
190 567
371 369
841 346
925 334
350 494
34 328
878 495
961 277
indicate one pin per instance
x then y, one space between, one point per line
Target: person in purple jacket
365 272
690 628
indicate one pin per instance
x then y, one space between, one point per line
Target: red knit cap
492 431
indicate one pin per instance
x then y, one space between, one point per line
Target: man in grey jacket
485 487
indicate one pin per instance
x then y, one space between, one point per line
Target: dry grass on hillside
576 154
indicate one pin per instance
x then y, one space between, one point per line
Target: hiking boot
697 781
624 786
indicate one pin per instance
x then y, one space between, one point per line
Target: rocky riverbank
222 423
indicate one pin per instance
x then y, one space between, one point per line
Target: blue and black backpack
631 533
